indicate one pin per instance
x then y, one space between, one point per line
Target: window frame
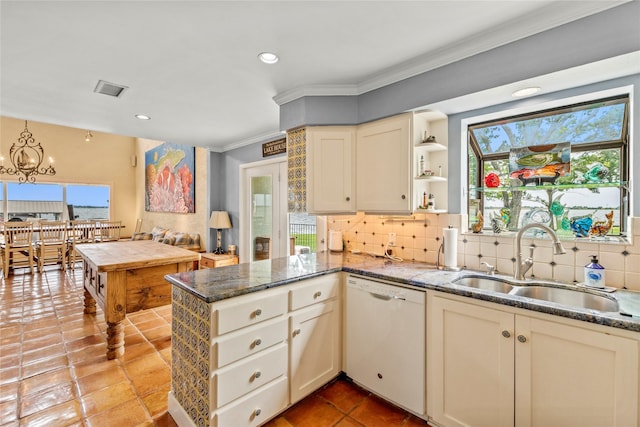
622 144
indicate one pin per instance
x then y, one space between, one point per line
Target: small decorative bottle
421 166
594 273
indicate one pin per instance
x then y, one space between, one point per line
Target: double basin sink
568 296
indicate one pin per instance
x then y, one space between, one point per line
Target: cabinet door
383 177
470 372
569 376
331 170
315 348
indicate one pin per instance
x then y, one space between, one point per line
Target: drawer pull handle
348 199
317 294
255 376
257 412
296 332
258 312
257 342
506 334
522 338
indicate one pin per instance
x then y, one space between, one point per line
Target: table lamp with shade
219 220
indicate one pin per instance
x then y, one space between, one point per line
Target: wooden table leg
89 303
115 340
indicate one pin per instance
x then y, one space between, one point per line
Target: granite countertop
227 282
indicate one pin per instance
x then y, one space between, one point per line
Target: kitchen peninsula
243 351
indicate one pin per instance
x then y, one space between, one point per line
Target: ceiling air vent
110 89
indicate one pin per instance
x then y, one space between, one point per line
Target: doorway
263 210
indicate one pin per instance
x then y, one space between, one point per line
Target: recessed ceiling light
526 91
142 117
268 57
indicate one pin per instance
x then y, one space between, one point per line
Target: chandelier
26 157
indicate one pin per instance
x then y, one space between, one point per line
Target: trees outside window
594 192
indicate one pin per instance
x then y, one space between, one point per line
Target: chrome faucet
523 266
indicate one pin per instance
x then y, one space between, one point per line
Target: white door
263 210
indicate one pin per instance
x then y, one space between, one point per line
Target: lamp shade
219 219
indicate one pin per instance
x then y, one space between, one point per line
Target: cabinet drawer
314 290
246 342
248 310
239 379
255 408
207 263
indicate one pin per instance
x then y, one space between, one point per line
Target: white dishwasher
385 340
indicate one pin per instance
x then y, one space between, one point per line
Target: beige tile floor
54 370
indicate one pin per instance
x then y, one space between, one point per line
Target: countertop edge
418 280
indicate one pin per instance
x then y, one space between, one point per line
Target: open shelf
431 146
549 187
433 178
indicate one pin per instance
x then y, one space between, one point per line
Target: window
88 201
566 168
34 201
56 201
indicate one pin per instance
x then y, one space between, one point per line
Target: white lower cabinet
489 367
254 408
248 381
315 348
315 340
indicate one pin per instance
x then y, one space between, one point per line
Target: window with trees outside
566 168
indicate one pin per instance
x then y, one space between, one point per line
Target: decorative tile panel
190 350
297 170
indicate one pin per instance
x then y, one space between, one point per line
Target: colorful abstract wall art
169 179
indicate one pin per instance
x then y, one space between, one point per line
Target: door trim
245 248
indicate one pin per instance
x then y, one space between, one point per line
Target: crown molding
559 13
257 139
316 90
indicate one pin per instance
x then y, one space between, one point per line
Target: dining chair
108 231
80 231
51 245
17 248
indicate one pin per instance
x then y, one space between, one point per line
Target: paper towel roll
450 236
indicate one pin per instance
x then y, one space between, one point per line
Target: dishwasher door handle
386 297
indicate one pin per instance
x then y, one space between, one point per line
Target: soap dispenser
594 274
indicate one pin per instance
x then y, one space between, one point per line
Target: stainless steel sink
486 283
570 297
541 291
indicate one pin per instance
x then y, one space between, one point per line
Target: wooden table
127 276
211 260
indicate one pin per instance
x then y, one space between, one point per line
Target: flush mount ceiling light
142 117
268 57
526 91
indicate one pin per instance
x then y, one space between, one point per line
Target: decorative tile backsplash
297 170
190 355
419 236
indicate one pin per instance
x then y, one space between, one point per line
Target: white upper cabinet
331 169
387 166
383 172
